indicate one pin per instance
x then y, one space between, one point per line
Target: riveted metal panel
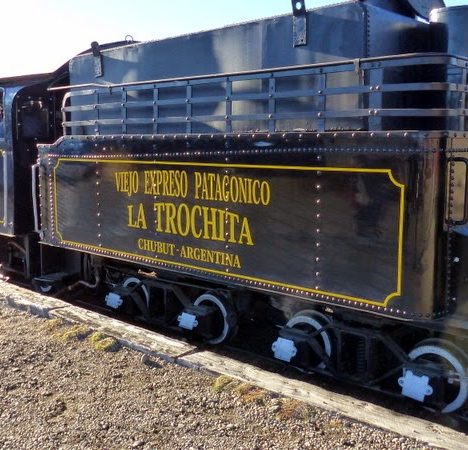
339 223
337 32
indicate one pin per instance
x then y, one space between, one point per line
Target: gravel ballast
59 390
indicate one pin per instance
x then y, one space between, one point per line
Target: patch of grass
243 388
257 395
75 332
53 324
294 409
251 394
103 343
224 383
108 344
96 336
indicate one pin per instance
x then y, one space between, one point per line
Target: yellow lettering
183 219
196 210
158 207
140 220
245 233
198 181
202 222
167 183
213 224
233 220
127 182
231 189
164 248
210 256
159 181
170 218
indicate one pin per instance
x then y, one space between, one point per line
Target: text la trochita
185 219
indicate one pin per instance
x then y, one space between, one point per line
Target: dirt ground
63 387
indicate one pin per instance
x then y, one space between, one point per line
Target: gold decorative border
268 283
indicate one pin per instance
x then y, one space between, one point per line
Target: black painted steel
453 29
338 223
97 59
299 23
338 32
371 94
27 103
344 147
423 8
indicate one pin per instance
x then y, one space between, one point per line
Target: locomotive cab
28 116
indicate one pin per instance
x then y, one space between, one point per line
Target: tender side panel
335 231
324 221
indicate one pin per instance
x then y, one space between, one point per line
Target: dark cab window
34 120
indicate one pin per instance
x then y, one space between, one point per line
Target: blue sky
40 35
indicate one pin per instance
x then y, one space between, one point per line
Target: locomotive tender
308 169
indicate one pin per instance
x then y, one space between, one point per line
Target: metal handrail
369 86
382 61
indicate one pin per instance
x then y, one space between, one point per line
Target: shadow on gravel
253 346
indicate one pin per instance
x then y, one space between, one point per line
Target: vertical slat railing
96 109
155 109
322 102
376 78
123 111
271 105
228 125
463 99
368 86
188 109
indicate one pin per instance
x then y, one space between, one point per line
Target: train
308 170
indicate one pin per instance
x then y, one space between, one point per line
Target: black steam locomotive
308 169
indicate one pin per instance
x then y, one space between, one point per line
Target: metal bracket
357 66
415 386
284 349
299 23
187 321
97 59
113 300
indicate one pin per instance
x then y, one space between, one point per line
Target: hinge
97 59
299 23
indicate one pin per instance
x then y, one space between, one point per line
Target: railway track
444 431
252 345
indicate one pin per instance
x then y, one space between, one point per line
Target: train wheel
45 288
312 321
224 324
441 354
130 298
143 290
306 326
